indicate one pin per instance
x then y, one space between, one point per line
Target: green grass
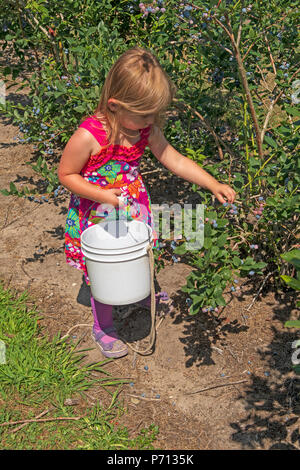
39 373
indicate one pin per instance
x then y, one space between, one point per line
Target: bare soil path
242 358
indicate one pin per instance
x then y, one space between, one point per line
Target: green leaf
13 188
293 257
214 251
181 249
5 192
80 109
207 243
222 240
292 324
236 261
292 282
271 141
292 111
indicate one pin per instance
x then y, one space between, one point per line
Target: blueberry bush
235 65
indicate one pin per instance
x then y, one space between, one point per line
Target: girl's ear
112 104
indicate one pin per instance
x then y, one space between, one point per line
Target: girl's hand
109 196
224 190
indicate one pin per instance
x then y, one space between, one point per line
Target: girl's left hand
224 190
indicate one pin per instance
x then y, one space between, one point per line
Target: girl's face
129 120
135 121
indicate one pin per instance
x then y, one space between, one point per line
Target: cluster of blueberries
233 209
57 191
153 8
258 212
217 76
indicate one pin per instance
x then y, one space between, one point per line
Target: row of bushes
235 66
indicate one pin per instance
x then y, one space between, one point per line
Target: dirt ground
242 358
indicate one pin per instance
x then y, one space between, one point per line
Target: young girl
101 162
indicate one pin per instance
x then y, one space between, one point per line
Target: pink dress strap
95 128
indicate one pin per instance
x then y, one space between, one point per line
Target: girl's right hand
109 196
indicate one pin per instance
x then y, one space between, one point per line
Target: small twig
262 76
134 360
216 386
160 321
233 355
6 217
270 53
239 31
36 417
75 326
220 351
22 267
91 397
152 171
218 141
254 299
11 423
142 398
21 217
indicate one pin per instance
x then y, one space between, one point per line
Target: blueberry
257 216
157 396
251 273
146 367
236 281
260 198
189 301
225 204
232 289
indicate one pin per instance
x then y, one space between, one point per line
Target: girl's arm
75 155
186 168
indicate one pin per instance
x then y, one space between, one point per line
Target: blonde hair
139 85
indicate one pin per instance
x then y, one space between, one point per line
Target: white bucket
117 261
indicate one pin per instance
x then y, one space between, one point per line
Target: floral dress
116 166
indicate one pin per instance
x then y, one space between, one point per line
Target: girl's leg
104 332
